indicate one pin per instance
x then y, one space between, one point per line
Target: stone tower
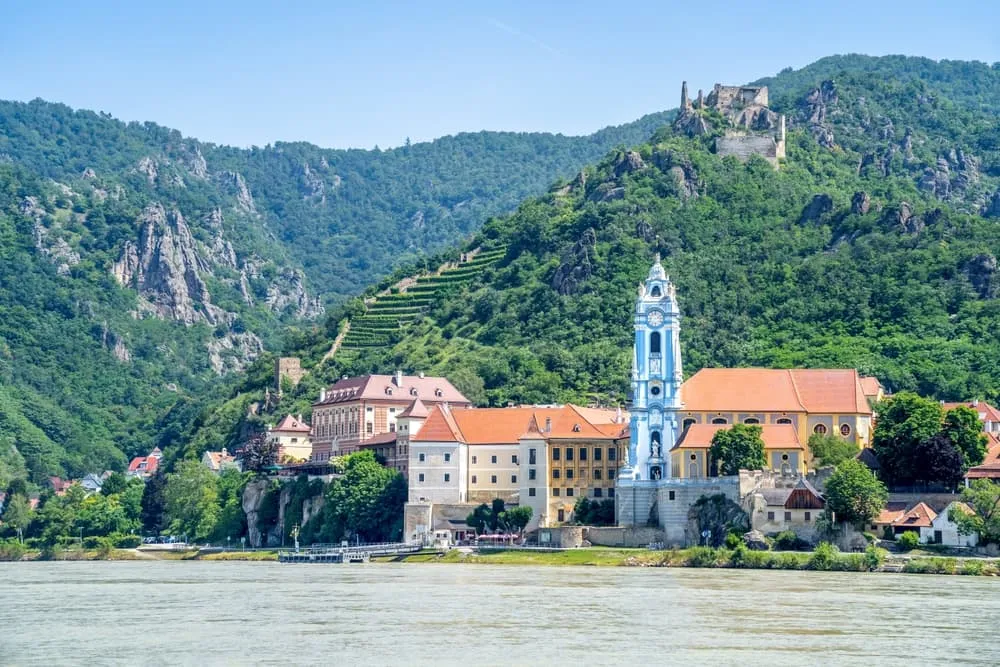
657 376
290 368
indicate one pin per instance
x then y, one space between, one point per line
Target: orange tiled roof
775 436
890 513
439 427
486 426
380 439
822 391
870 385
292 425
985 411
416 409
919 516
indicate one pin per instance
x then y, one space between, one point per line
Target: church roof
775 436
870 386
817 391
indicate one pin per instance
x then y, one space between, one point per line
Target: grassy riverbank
823 559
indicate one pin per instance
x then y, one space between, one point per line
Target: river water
198 613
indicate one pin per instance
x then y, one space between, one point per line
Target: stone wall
564 537
745 145
676 496
623 537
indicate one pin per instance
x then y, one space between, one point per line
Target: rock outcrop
253 498
233 351
982 273
148 167
244 199
992 207
820 206
818 104
627 163
577 264
287 295
907 221
861 203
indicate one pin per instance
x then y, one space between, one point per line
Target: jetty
345 553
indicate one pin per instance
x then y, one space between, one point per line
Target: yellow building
802 401
292 436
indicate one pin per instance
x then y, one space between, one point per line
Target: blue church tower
657 375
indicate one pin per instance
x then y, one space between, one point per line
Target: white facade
438 472
944 531
533 490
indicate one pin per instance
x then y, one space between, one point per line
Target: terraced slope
388 315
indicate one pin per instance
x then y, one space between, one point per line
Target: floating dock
333 556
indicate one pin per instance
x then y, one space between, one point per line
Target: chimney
322 395
225 452
421 375
975 403
548 424
299 418
399 378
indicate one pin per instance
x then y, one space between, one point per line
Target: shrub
874 557
930 566
869 537
733 541
852 563
789 561
908 541
702 557
11 550
825 557
973 567
126 541
92 542
787 540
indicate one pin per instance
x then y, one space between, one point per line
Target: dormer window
388 391
413 391
576 428
438 393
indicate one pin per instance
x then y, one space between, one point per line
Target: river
198 613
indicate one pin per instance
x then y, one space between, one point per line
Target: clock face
655 318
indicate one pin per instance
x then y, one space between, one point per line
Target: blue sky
358 74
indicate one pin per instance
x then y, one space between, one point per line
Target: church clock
655 318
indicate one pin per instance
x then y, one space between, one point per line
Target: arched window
655 291
687 422
784 420
820 429
845 430
751 420
719 420
654 342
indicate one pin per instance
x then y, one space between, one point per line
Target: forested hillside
873 246
139 265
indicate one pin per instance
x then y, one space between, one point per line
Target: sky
361 74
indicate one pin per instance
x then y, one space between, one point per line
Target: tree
479 518
496 511
830 450
114 484
258 452
904 421
191 500
854 494
516 519
937 460
963 427
983 496
18 514
154 504
367 502
738 448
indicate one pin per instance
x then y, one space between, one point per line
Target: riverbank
142 555
822 559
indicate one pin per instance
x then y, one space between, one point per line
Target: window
597 453
555 474
555 453
784 420
420 477
688 422
611 473
788 516
569 493
295 439
598 493
820 429
513 459
531 492
655 292
392 410
612 454
611 493
751 420
655 390
493 459
569 474
368 409
475 459
770 516
719 420
562 515
531 474
808 516
447 477
531 457
694 457
420 457
672 495
474 480
370 428
845 430
493 479
654 342
392 427
555 492
569 453
784 457
597 474
447 457
583 453
513 479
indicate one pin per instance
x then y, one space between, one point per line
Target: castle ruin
753 128
289 368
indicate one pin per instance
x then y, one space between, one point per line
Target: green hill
873 246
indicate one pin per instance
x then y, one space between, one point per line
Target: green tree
937 460
496 511
154 504
738 448
830 450
18 515
516 519
904 421
963 427
983 497
114 484
854 494
232 522
479 518
367 502
191 499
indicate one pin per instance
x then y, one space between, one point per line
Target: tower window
654 342
656 291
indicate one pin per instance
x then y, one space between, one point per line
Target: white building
945 531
